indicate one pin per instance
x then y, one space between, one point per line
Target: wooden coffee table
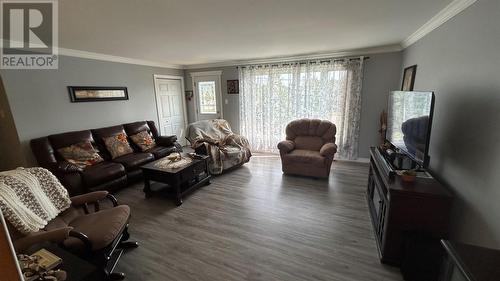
183 180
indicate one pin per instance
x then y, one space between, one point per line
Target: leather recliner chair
309 148
96 234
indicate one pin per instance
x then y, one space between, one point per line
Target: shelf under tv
396 162
399 209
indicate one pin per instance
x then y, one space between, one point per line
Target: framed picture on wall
87 94
189 95
233 86
409 78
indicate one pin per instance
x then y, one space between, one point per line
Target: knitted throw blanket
31 197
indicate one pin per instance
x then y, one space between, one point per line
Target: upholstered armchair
309 148
216 139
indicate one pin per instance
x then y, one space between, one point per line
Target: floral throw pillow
143 140
118 145
82 154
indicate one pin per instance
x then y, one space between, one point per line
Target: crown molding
453 9
356 52
104 57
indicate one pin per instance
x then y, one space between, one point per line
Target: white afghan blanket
31 197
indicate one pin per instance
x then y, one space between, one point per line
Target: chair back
217 129
310 134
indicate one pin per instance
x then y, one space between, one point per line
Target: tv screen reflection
408 120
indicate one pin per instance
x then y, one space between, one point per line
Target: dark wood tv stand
398 208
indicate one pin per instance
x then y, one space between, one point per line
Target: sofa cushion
101 133
143 140
161 151
82 154
302 156
102 228
134 160
308 142
102 172
117 145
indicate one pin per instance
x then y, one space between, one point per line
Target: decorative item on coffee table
180 171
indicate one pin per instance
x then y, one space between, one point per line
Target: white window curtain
273 95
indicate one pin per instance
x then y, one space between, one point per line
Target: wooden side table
76 268
183 180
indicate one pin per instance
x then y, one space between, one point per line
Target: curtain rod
306 62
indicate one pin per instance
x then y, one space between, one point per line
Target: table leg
147 187
178 197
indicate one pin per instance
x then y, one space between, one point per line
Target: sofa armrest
56 235
64 167
69 175
201 150
286 146
166 140
67 167
328 149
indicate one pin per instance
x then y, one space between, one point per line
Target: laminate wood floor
254 223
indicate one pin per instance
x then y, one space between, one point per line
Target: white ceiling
190 32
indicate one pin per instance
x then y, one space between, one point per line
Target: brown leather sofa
309 148
111 174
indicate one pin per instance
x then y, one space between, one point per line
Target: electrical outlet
226 101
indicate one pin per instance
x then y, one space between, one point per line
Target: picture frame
90 93
189 95
233 87
409 78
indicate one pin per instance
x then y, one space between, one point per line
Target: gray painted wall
460 61
231 109
40 102
381 75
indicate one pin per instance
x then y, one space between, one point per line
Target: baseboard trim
358 160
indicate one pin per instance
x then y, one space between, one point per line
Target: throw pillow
118 145
82 154
143 140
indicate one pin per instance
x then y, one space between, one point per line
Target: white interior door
207 92
171 106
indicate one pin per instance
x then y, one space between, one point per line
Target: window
207 94
271 96
208 97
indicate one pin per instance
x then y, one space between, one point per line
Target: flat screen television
409 120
